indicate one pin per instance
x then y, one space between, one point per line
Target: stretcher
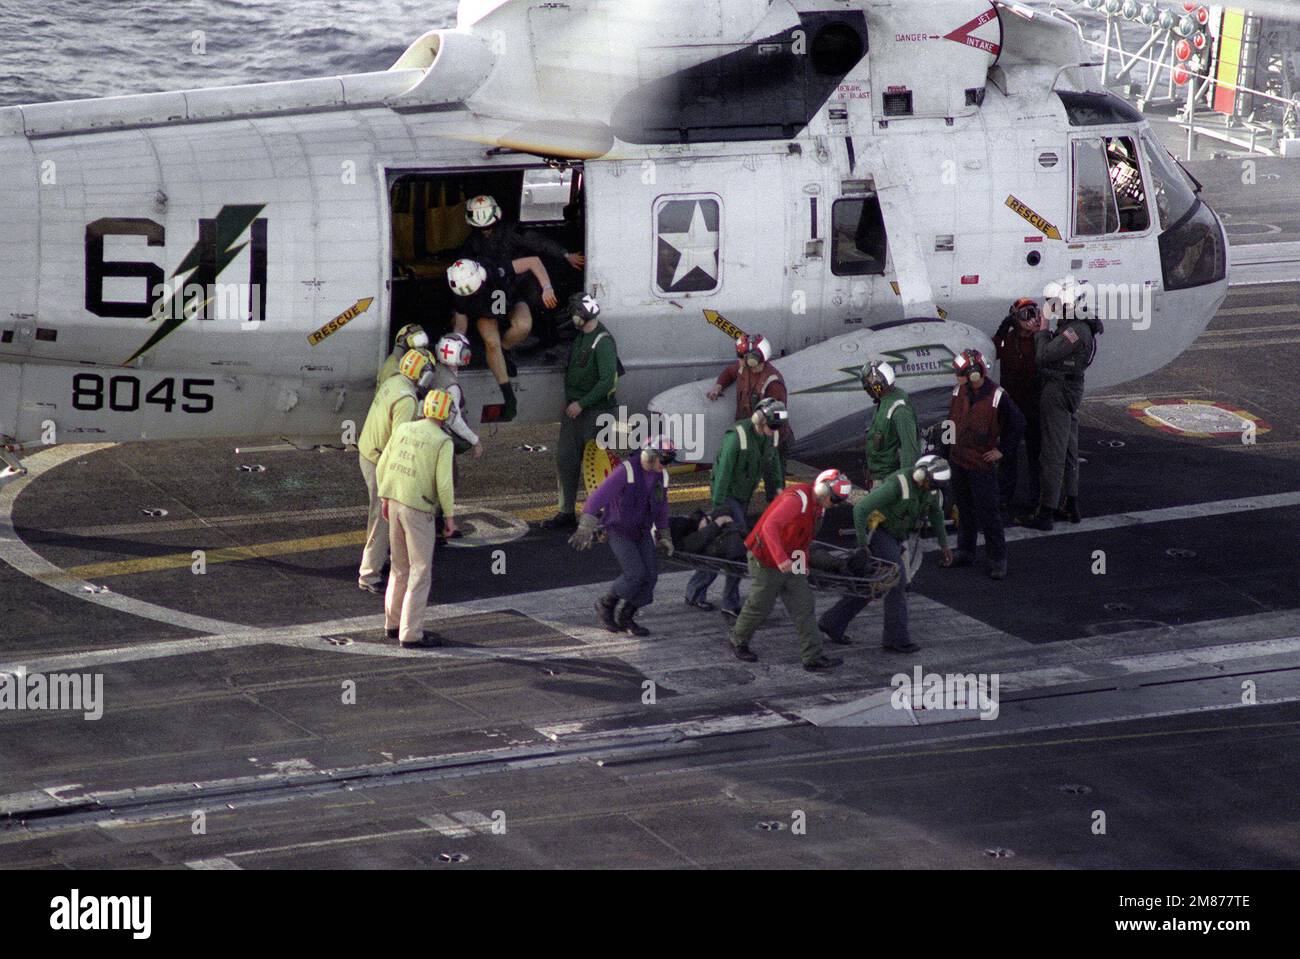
881 578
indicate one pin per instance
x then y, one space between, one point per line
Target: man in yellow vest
415 485
395 403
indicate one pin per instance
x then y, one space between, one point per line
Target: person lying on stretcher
714 535
706 534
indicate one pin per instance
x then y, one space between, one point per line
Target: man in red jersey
778 566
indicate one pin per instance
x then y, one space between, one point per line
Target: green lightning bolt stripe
839 386
929 360
207 259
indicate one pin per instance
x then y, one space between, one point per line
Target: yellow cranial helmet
437 406
415 363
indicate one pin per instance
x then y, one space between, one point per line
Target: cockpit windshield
1175 191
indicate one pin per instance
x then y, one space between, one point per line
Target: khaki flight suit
394 404
391 367
415 479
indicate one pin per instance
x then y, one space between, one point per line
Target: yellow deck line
229 554
309 544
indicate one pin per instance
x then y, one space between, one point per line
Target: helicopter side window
1095 212
1126 180
546 192
858 241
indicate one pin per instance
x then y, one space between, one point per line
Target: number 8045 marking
122 394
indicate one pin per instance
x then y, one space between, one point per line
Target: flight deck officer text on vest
395 403
590 382
415 484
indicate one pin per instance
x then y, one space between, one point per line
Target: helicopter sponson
828 406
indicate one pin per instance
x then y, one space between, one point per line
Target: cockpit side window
1109 194
1126 179
1174 191
1095 212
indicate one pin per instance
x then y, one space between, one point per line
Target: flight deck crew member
453 354
409 337
488 292
986 423
778 563
395 403
884 519
747 456
1019 368
893 439
415 484
494 241
1062 357
756 379
497 241
632 505
590 384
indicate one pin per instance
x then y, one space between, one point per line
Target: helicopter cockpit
1126 184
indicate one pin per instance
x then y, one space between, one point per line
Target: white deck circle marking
487 527
1198 418
27 561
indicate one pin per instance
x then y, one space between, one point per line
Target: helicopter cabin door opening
429 231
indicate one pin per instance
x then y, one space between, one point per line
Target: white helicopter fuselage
937 175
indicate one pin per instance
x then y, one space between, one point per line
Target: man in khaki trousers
415 484
395 403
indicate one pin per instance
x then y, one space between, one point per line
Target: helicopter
854 179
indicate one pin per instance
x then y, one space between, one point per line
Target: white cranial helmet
932 466
483 211
466 277
453 350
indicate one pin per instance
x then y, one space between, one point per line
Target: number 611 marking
122 394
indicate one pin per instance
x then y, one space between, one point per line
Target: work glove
665 544
586 533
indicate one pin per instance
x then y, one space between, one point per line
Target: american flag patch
1070 335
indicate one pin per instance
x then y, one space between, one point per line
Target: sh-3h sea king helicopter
851 178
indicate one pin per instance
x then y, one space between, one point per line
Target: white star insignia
698 248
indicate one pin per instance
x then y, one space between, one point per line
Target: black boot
1069 510
627 624
605 610
511 409
1040 518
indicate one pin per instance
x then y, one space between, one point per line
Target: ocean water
68 49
